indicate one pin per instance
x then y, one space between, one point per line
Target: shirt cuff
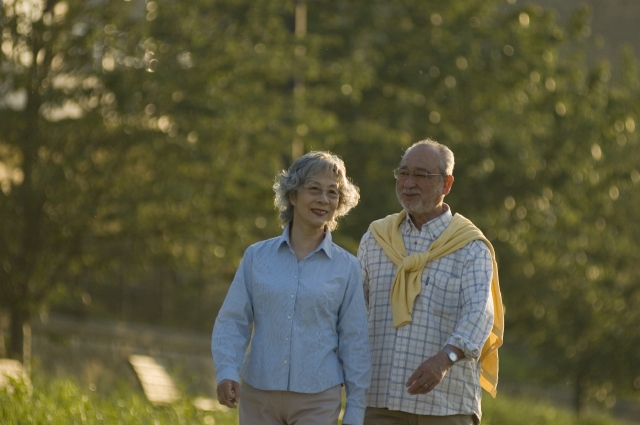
459 342
353 416
227 374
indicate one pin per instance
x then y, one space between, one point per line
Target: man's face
418 194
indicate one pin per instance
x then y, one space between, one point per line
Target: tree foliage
139 142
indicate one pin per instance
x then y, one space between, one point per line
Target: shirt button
286 362
292 295
286 339
289 317
295 275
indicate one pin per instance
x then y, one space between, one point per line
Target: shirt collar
435 227
326 245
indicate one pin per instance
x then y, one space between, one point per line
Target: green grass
516 411
61 401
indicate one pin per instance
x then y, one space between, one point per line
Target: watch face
452 356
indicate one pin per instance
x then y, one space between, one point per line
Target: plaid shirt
454 307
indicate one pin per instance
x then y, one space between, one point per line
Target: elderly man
434 307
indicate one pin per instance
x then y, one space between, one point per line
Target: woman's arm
232 328
353 346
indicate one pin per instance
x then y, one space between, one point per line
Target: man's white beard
420 206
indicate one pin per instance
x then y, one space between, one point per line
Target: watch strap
451 354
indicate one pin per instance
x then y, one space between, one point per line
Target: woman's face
315 204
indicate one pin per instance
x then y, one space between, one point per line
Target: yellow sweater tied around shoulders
408 280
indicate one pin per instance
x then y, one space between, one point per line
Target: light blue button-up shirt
309 323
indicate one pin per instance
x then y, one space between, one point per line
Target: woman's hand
229 393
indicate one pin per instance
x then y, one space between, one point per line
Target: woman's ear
293 198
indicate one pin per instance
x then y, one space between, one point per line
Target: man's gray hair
447 160
316 163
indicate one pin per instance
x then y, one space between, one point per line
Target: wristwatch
451 354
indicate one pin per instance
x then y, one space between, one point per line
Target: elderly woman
303 296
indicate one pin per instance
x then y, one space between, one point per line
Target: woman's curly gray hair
313 164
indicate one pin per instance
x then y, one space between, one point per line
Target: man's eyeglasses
401 174
332 194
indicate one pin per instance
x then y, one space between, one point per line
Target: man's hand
429 374
229 393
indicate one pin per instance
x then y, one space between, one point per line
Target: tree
143 158
534 129
567 235
144 149
75 145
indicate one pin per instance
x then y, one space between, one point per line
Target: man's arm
476 317
362 256
473 327
431 372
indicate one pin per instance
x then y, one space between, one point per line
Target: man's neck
420 220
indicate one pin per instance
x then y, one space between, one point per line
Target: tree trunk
18 319
26 351
581 392
3 348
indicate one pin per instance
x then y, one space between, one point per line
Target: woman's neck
305 240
